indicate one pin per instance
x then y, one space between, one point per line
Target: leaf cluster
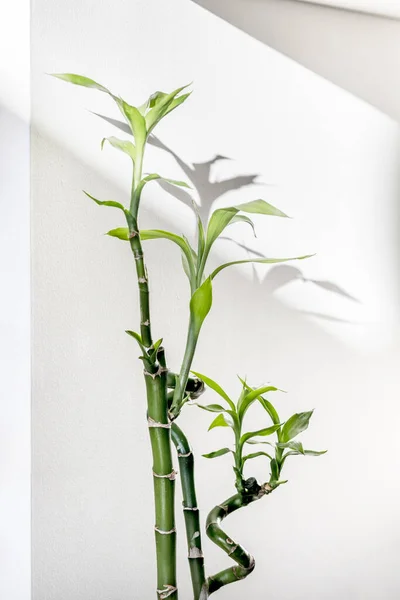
232 414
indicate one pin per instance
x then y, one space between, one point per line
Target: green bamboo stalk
190 509
245 562
155 373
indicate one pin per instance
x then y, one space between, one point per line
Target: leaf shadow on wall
199 174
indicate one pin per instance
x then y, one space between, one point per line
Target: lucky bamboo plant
169 391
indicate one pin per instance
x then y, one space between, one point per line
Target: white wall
358 52
333 162
390 8
15 393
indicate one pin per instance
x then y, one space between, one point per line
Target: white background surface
15 393
333 159
390 8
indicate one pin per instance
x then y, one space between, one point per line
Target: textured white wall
333 162
15 393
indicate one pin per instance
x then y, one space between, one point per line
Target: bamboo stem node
195 552
167 591
162 532
158 373
152 423
171 476
185 455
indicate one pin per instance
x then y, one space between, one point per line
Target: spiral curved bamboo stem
245 562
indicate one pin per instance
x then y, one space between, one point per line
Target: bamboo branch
245 562
190 509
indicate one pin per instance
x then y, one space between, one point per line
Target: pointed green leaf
186 267
260 207
295 425
138 338
200 304
134 119
217 223
296 446
105 202
255 455
266 404
154 234
304 453
121 233
160 105
212 407
254 442
176 102
247 400
217 453
222 420
200 232
124 145
257 260
315 452
223 216
155 176
81 80
243 219
214 386
261 432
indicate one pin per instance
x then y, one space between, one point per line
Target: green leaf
212 407
124 145
255 455
295 425
160 105
200 304
243 219
134 119
217 453
176 102
138 338
152 351
154 176
200 232
222 420
246 401
315 452
81 80
267 431
254 442
266 404
217 223
296 446
223 216
154 234
260 207
214 386
186 267
122 233
106 202
258 260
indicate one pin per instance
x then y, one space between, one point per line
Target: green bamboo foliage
168 392
232 414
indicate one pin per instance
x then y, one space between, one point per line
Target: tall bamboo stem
155 373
